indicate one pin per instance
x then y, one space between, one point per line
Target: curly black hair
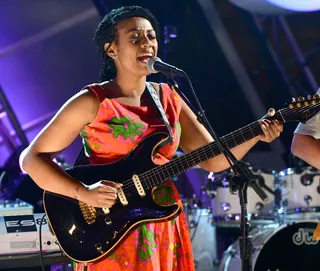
106 32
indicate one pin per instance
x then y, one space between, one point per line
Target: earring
113 57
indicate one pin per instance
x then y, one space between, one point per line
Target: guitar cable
40 241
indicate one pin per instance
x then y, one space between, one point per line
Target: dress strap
97 90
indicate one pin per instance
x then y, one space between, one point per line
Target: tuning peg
316 96
293 100
301 99
309 97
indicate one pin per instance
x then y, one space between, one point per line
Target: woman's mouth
144 58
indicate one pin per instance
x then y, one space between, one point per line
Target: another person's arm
306 142
306 148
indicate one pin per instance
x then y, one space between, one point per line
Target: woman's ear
109 49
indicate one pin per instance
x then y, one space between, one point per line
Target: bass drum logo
303 237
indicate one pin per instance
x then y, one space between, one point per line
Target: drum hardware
299 193
307 199
225 207
306 179
240 182
270 243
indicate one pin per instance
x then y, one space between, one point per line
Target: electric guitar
87 234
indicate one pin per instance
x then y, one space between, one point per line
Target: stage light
277 7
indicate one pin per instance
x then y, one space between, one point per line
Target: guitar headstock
301 109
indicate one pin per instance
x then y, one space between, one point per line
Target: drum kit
281 227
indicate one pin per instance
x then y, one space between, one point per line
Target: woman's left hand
271 130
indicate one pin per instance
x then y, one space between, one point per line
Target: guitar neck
183 163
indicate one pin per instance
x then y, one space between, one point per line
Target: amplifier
19 234
15 207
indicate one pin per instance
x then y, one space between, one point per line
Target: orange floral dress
117 129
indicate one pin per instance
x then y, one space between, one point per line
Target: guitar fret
235 142
253 135
247 134
224 140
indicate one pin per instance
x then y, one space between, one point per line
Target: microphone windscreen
150 63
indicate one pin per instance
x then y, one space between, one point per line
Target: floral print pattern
117 129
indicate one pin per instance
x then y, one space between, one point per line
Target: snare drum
226 207
300 193
288 247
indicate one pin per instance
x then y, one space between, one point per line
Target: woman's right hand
102 194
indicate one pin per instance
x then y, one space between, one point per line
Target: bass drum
289 247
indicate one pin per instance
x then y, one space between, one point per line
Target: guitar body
84 242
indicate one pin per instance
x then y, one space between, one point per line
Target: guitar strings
201 153
155 172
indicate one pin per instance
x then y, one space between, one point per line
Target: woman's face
136 43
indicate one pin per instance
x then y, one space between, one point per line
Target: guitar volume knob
108 220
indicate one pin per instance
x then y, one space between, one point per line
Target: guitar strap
155 98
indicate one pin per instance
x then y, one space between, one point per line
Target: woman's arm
194 135
62 130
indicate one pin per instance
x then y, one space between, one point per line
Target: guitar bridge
89 213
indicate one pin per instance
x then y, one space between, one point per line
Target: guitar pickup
122 197
138 185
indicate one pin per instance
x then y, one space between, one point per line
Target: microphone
155 64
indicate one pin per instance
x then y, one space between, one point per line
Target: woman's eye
134 37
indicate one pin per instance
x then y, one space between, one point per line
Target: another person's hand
102 194
271 129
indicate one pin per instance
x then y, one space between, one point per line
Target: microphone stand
240 182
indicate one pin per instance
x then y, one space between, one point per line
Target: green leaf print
117 120
125 118
125 127
178 127
116 133
139 125
149 252
142 255
86 145
163 195
112 256
120 129
84 134
126 134
96 146
132 132
146 241
139 132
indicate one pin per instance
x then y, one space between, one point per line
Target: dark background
47 55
